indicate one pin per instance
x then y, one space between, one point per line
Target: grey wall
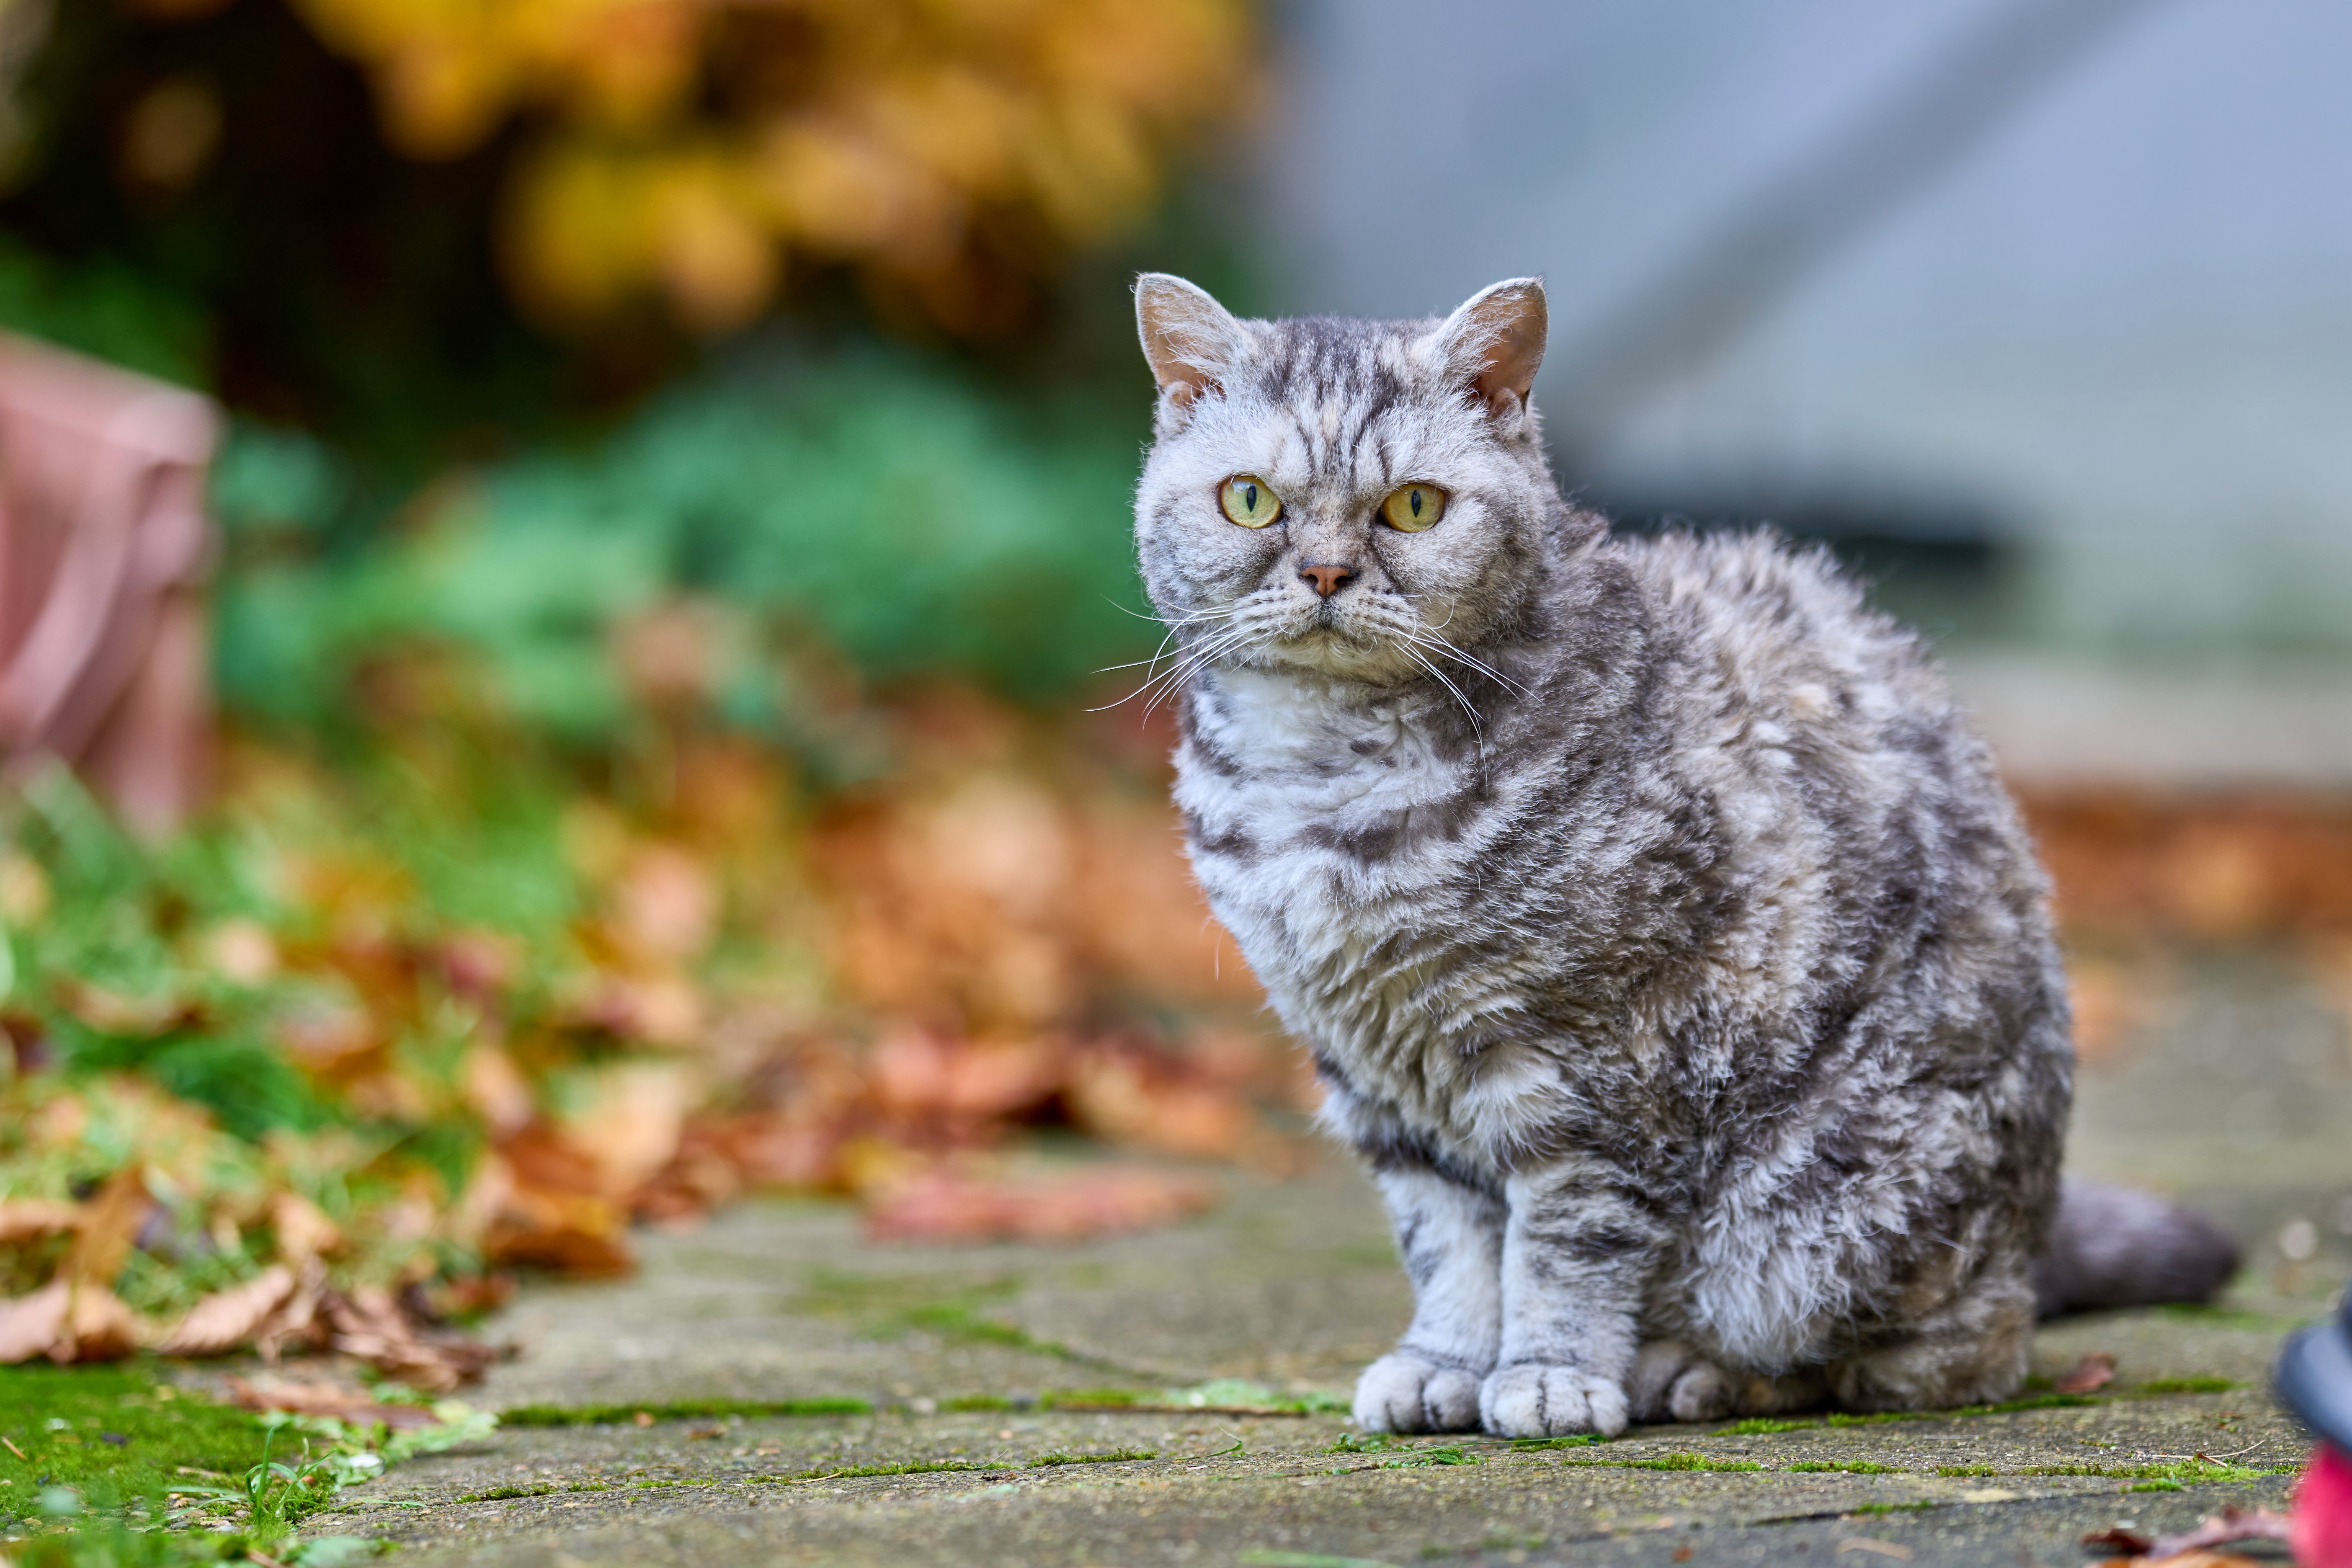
2118 321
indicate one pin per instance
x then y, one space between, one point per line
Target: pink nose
1327 579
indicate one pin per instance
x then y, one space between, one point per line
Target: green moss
979 1402
2154 1487
1112 1457
2186 1385
1447 1454
1533 1444
1847 1466
677 1410
1065 1397
1881 1509
2177 1470
115 1433
1965 1470
853 1472
1757 1426
1671 1462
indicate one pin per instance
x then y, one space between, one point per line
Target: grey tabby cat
1664 938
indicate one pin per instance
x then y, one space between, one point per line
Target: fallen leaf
100 1325
228 1320
24 1219
939 1206
109 1223
30 1324
2093 1372
302 1227
66 1320
324 1399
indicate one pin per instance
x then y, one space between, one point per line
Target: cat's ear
1496 342
1190 339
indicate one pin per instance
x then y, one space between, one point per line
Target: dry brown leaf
2093 1372
99 1325
371 1324
66 1322
666 905
25 1219
1129 1099
939 1206
30 1324
632 1126
573 1233
109 1223
323 1399
228 1320
302 1227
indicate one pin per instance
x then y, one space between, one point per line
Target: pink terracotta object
103 548
2321 1534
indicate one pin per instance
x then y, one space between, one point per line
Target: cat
1664 941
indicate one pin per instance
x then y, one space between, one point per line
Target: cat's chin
1331 653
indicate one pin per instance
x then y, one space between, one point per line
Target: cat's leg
1673 1382
1970 1350
1451 1238
1578 1248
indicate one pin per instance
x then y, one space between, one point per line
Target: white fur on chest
1317 920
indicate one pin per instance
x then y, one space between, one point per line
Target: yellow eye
1411 508
1248 501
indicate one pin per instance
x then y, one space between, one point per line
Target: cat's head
1343 496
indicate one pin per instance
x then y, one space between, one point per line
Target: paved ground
2237 1093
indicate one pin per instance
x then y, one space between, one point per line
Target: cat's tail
2112 1246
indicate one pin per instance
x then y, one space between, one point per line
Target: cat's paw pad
1405 1393
1535 1399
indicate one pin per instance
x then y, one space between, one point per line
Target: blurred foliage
860 501
353 197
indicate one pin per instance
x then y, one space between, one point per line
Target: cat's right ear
1189 339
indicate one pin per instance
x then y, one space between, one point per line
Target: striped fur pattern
1663 937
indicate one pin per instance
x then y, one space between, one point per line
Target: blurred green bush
893 507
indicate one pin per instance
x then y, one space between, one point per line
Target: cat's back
1779 636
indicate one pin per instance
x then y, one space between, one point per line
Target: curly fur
1664 938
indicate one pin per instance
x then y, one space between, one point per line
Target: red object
103 542
2321 1535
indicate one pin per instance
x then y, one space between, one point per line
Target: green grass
1846 1466
678 1410
2186 1385
1111 1456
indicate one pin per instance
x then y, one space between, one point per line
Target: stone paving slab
2237 1093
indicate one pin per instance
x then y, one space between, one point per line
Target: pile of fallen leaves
318 1074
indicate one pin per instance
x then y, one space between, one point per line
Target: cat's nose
1327 579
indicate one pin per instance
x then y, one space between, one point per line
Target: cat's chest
1318 827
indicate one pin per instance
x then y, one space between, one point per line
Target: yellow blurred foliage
691 148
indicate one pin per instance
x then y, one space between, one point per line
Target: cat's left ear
1494 342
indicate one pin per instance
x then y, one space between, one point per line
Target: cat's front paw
1403 1392
1532 1399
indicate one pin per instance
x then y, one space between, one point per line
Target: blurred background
563 566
